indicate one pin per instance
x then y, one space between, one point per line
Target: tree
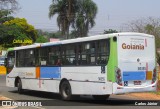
85 16
48 35
5 31
8 34
73 34
26 28
16 29
11 5
5 16
110 31
158 58
78 13
148 26
65 10
41 39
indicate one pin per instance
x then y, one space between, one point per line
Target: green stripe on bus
113 61
10 49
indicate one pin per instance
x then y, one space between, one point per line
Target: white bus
98 65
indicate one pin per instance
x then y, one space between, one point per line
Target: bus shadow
56 100
44 95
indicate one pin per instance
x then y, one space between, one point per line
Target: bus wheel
65 90
100 97
19 86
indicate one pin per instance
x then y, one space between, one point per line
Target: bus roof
104 36
83 39
36 45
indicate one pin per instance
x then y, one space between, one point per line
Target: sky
112 14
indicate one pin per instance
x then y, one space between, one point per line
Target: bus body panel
113 61
83 80
91 88
23 72
88 74
136 61
87 80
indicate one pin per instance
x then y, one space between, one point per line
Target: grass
158 93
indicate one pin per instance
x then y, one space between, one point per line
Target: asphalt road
114 102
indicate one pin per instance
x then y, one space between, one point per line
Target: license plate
137 82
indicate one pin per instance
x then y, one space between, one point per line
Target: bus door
10 61
136 60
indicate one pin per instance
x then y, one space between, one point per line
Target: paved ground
114 102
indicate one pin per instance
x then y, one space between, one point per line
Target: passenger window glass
43 56
69 54
54 56
103 51
86 53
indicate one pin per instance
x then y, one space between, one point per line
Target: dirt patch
144 96
4 98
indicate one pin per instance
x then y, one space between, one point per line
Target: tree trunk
67 34
158 85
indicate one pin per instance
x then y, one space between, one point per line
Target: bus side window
29 58
42 56
103 52
20 58
54 56
87 53
69 54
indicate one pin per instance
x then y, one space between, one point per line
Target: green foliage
57 34
110 31
73 34
66 10
9 33
157 39
5 16
84 19
26 28
41 39
16 29
48 35
79 14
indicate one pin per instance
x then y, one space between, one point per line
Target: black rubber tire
65 90
19 86
100 97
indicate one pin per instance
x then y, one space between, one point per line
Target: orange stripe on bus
149 75
37 72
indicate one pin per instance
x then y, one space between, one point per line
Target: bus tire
100 97
19 86
65 90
